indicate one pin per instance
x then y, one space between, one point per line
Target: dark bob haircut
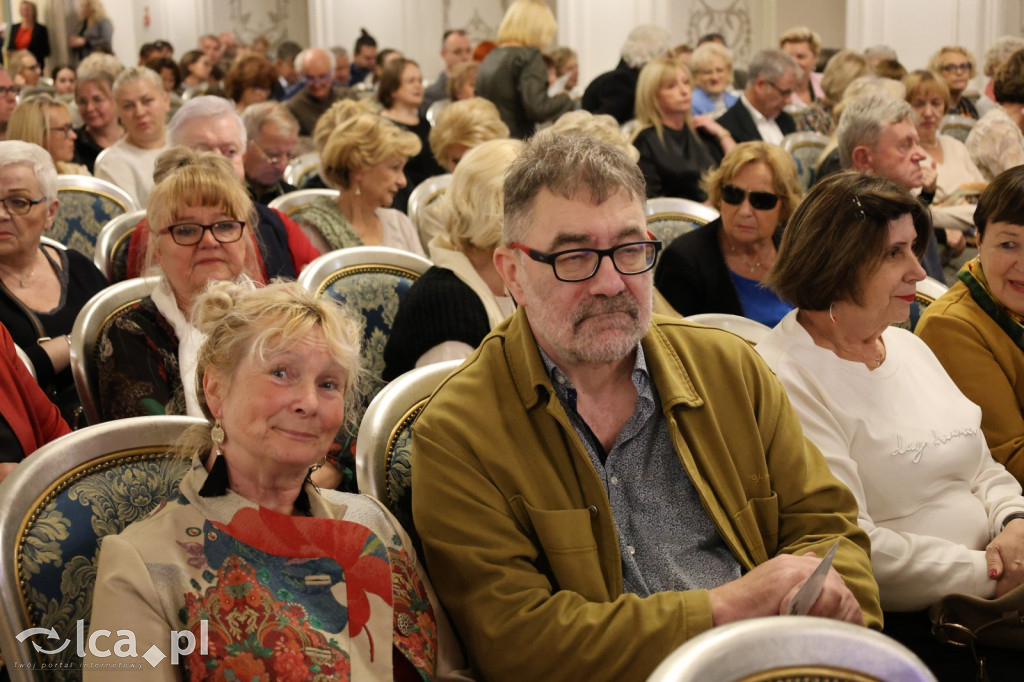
1002 201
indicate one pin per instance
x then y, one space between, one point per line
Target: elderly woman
995 57
942 515
803 45
400 92
976 328
29 34
462 126
842 69
513 75
100 125
95 32
285 581
675 148
24 69
712 73
249 81
719 268
956 66
42 288
996 142
143 105
457 302
363 158
197 215
46 121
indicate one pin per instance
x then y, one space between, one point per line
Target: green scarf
973 275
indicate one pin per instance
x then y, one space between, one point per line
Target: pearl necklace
878 359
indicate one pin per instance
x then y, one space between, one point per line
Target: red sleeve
30 414
303 252
137 249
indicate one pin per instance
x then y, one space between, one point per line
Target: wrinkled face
342 69
715 78
803 56
316 69
770 97
599 320
269 153
674 95
380 182
280 413
30 70
1002 257
64 81
929 108
190 268
898 156
457 50
60 141
143 110
955 68
95 105
889 290
19 234
220 134
410 90
8 100
743 223
366 57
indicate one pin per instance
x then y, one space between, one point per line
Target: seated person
280 576
450 309
594 479
100 125
712 75
718 268
996 142
46 121
976 328
272 133
942 515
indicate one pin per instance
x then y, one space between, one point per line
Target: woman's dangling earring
217 436
831 315
359 190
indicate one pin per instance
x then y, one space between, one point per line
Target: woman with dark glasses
718 268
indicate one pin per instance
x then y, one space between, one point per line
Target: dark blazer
38 44
692 274
613 93
738 121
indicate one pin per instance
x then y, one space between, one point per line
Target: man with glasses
8 100
273 133
772 78
595 486
316 66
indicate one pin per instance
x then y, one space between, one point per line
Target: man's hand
1005 557
955 241
768 589
929 176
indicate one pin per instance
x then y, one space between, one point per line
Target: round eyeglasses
190 234
577 265
20 205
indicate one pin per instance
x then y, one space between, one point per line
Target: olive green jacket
518 531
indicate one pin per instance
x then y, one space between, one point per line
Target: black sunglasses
762 201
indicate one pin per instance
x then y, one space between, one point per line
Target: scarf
190 340
1010 322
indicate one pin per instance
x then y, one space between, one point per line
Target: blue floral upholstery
81 214
398 474
806 158
119 258
667 226
58 549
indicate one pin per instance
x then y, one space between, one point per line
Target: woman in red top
29 35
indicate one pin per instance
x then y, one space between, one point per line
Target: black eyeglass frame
207 228
552 258
761 201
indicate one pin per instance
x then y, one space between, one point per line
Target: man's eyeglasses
577 265
11 90
20 205
785 93
190 234
275 159
67 129
950 68
762 201
322 78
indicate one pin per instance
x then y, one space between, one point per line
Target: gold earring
217 436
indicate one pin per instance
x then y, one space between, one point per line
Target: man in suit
758 115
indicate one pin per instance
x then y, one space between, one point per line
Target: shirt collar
567 392
757 115
217 483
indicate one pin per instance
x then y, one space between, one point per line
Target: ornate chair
805 148
669 217
789 648
92 319
370 281
956 126
25 359
750 330
629 128
425 194
58 504
111 255
86 205
435 109
302 169
383 449
290 202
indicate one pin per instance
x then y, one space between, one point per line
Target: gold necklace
878 359
744 258
22 279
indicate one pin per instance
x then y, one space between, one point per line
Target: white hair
207 106
644 43
18 153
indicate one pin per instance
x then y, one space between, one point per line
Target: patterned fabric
806 157
60 547
398 479
667 227
81 215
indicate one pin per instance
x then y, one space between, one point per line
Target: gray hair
206 106
134 73
305 54
702 56
18 153
880 52
862 121
772 65
565 165
258 115
1001 49
644 43
339 51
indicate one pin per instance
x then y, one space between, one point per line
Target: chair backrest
370 281
929 289
111 255
25 359
956 126
435 109
93 318
302 169
426 193
58 504
791 648
629 128
86 205
290 202
805 148
669 217
384 446
751 330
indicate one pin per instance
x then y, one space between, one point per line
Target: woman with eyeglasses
197 215
718 268
24 69
46 121
956 66
996 142
42 287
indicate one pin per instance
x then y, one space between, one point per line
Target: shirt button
631 549
561 381
614 480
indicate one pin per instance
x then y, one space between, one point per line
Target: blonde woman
675 148
803 45
957 66
712 72
514 75
46 121
95 32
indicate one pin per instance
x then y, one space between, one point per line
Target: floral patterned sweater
335 595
